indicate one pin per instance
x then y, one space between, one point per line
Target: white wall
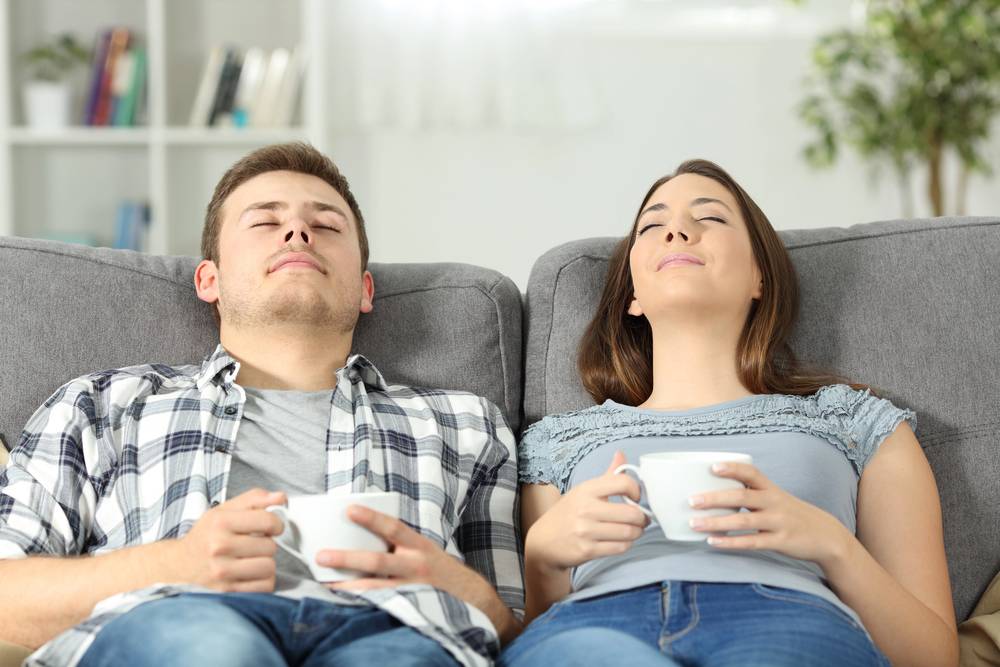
501 198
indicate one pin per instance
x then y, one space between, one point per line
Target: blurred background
488 131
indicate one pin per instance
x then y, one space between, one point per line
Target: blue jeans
259 629
694 624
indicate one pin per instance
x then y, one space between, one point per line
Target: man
158 473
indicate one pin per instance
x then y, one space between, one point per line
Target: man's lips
296 259
679 259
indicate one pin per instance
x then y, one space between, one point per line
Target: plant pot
48 104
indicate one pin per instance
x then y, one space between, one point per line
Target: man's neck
286 359
694 364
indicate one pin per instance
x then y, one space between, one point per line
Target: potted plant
48 93
919 79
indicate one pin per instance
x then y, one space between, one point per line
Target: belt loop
664 601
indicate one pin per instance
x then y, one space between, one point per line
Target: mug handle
282 513
628 466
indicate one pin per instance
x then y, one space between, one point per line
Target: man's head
284 243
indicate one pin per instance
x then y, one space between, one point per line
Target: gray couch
910 307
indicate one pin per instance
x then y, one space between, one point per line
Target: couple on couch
159 476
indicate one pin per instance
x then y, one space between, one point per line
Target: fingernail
719 467
694 501
696 522
714 540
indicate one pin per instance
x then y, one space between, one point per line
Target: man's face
288 254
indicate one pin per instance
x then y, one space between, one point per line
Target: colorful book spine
97 75
118 44
132 226
127 105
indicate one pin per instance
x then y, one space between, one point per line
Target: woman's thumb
616 460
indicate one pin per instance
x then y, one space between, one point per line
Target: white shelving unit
71 180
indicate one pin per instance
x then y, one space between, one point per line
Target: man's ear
367 292
634 308
206 281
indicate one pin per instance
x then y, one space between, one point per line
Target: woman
838 557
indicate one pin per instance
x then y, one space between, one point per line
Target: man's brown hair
295 156
616 353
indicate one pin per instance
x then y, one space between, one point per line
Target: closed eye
649 226
712 217
263 224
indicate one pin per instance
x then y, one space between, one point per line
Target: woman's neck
694 364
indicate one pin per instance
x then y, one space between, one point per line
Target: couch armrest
12 655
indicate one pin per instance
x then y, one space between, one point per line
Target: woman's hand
784 523
584 524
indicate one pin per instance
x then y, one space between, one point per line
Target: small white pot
48 104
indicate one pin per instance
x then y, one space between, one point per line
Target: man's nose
298 229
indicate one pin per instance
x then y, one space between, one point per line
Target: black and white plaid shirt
131 456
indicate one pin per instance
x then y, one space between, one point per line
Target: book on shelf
117 87
251 88
132 226
225 91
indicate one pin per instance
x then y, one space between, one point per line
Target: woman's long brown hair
616 352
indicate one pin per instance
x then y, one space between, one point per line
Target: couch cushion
910 307
69 310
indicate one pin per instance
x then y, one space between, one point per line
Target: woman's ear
758 289
634 308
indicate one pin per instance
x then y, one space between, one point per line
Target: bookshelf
69 181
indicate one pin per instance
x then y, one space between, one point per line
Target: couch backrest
909 307
69 310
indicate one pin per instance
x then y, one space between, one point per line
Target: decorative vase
48 104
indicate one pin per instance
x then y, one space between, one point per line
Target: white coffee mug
670 478
319 521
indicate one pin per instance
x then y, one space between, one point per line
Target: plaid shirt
131 456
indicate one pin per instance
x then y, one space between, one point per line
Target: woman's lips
679 259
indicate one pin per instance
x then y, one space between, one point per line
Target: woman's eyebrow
654 207
697 201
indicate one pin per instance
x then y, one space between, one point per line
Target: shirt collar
220 368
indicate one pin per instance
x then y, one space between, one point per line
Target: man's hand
414 559
230 547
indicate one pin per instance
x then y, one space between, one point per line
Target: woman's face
692 250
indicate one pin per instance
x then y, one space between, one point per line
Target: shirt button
231 410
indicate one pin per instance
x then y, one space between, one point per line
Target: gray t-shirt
281 446
815 447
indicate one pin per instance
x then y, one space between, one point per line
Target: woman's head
692 249
699 243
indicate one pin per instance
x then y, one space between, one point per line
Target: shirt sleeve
47 495
535 463
874 419
488 534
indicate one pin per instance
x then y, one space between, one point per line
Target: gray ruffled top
814 447
853 421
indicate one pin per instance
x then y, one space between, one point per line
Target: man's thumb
616 461
258 499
